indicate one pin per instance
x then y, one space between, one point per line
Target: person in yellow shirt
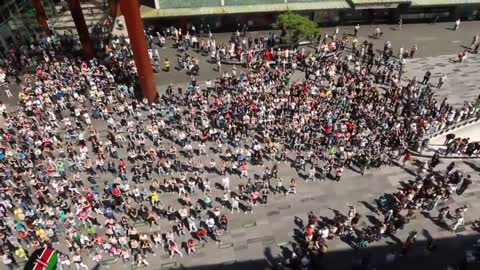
154 197
18 212
22 96
325 93
21 253
41 233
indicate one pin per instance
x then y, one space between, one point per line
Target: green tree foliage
297 26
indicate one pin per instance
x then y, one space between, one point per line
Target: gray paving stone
273 213
283 207
307 199
226 245
249 224
169 265
260 239
263 221
240 247
199 255
238 235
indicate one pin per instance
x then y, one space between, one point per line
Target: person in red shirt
328 129
350 126
116 192
268 55
122 164
407 158
191 246
202 234
312 219
309 233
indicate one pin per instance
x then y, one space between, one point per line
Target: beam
114 8
131 11
82 29
42 16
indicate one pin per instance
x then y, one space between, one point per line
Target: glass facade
172 4
18 22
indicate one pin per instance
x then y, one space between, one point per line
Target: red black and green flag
42 259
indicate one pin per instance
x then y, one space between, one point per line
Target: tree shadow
396 239
435 221
472 165
271 260
373 220
369 206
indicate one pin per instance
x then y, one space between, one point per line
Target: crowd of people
100 163
393 212
463 146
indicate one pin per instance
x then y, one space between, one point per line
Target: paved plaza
259 240
272 227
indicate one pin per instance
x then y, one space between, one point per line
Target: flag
42 259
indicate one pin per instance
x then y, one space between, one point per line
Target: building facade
221 14
18 22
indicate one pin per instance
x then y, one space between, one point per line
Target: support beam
42 16
114 7
82 29
131 11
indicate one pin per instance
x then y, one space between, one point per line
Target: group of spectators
393 211
87 167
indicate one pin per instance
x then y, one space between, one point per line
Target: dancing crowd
86 163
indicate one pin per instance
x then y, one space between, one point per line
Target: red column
114 7
131 10
42 16
82 29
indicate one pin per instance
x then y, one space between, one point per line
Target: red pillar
42 16
114 7
82 29
131 10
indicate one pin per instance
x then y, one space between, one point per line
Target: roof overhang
378 4
422 3
150 13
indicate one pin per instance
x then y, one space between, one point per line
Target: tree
296 26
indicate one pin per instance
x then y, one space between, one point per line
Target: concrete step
64 20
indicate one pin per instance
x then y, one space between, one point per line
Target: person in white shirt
457 25
8 92
357 27
441 81
3 109
77 260
226 183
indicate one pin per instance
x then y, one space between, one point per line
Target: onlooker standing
441 80
357 27
457 25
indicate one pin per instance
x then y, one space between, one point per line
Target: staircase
94 11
